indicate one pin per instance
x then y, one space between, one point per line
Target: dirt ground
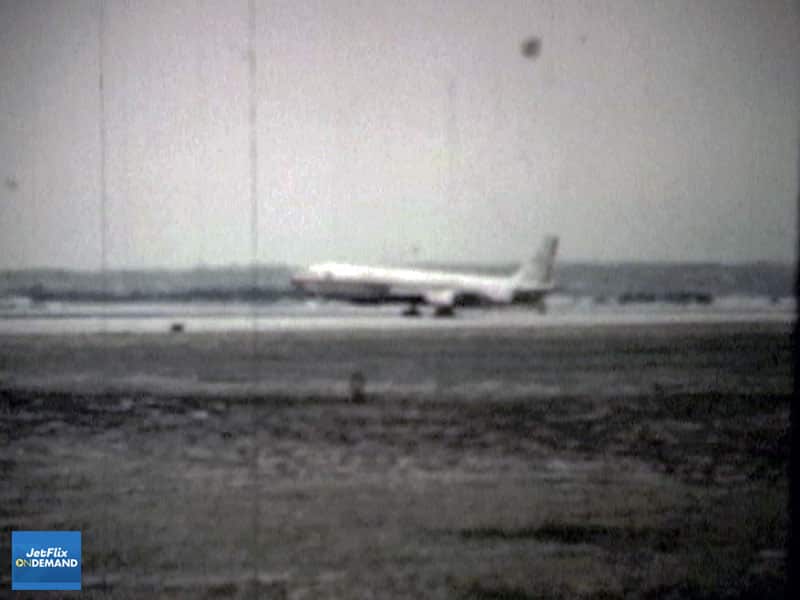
628 462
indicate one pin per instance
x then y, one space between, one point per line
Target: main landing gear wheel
444 311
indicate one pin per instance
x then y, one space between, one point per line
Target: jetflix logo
45 560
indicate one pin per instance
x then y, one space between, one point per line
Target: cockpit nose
301 278
296 280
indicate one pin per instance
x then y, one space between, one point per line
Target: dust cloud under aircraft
444 290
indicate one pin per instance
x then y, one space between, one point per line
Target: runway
69 318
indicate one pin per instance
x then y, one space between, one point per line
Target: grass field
638 462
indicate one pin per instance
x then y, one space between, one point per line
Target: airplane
441 289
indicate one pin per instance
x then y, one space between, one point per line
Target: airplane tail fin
539 270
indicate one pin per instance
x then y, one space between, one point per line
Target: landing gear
438 311
412 310
444 311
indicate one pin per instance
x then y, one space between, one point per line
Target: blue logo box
45 560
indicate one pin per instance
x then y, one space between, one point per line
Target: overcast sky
400 130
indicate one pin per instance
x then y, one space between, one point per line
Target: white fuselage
442 289
382 284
